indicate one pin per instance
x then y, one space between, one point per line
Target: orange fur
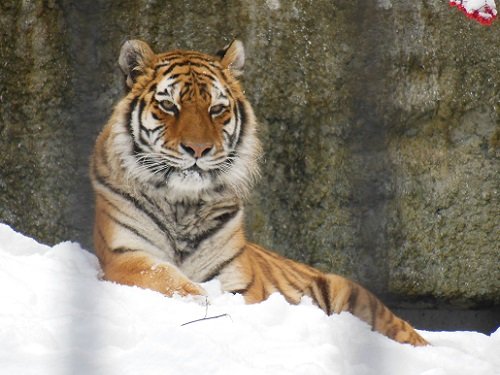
171 171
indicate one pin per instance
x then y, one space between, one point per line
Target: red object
485 15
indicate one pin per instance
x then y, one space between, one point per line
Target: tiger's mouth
196 174
191 173
194 170
211 166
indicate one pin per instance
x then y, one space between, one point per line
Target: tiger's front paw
188 289
192 292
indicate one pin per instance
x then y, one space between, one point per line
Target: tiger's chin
189 183
192 178
195 184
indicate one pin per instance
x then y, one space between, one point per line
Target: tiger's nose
197 149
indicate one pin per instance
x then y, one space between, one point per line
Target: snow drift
58 317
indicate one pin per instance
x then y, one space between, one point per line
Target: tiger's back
171 171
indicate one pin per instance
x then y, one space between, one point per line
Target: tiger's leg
335 294
131 266
137 268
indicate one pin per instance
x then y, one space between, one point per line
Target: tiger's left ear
233 57
135 57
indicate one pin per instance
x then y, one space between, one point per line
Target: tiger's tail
266 272
335 294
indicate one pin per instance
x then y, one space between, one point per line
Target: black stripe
172 67
119 250
264 292
141 144
122 250
162 65
171 85
185 90
175 76
142 104
202 78
176 55
137 205
197 55
114 206
243 120
152 88
221 220
149 133
151 202
213 72
156 128
353 298
216 272
373 309
324 288
131 109
136 147
188 64
143 140
129 228
201 62
202 88
227 136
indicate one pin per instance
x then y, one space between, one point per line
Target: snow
58 317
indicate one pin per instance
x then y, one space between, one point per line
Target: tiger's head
186 124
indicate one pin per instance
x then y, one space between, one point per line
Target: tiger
171 172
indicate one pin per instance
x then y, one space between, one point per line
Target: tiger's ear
233 57
135 57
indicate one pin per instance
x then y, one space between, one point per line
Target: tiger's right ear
135 57
232 57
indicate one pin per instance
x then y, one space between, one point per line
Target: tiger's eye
168 106
218 109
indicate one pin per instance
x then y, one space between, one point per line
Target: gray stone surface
380 121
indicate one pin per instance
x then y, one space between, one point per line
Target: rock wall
380 123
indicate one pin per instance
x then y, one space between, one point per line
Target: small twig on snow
206 317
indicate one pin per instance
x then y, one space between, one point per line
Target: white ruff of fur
235 178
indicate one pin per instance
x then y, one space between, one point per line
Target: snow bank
57 317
